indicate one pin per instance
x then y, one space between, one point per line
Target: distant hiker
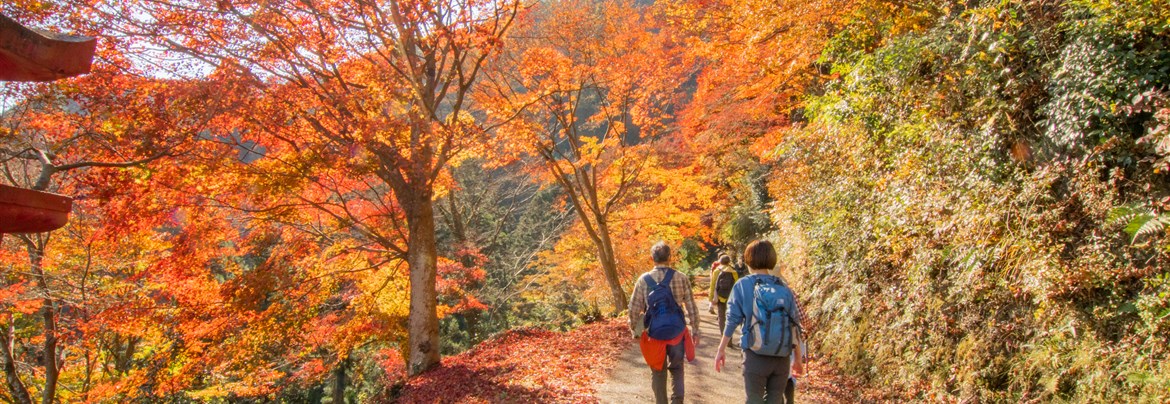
657 305
740 268
723 277
714 266
771 328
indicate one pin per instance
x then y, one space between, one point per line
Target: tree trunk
36 252
420 256
598 230
473 325
339 381
49 356
457 228
608 260
15 386
124 357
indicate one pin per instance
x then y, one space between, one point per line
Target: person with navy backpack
767 310
662 309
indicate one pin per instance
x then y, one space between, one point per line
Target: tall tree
67 137
586 90
759 59
378 89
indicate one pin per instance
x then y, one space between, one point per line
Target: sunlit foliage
311 200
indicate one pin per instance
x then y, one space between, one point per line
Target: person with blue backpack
657 318
767 310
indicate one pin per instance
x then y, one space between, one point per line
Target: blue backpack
772 322
664 319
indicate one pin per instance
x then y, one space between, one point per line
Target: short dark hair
760 255
660 252
724 259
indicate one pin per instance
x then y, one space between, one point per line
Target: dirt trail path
629 382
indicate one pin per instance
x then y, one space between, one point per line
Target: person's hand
695 339
719 358
798 369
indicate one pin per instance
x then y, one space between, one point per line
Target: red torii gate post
28 54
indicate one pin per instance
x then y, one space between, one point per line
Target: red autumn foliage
525 365
456 277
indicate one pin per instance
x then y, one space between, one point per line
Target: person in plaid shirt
675 350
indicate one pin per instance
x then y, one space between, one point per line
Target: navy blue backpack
664 319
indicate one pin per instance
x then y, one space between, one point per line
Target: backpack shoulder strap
758 280
666 279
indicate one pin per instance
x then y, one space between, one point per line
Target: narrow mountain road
629 382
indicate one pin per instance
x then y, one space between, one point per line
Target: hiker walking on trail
657 317
740 268
723 277
767 309
714 267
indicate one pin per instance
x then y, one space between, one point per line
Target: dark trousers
722 315
765 378
674 364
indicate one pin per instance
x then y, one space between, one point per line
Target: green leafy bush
968 193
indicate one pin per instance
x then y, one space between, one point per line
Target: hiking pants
722 316
765 377
674 363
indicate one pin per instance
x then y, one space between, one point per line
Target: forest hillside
353 200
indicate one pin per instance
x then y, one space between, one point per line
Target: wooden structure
34 55
28 211
28 54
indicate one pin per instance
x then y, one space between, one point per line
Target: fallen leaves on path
525 365
825 384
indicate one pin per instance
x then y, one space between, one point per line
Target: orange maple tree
587 90
759 59
90 137
257 182
360 105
